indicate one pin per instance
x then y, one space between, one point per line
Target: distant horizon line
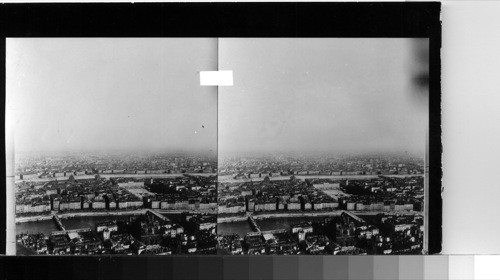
114 151
320 154
220 155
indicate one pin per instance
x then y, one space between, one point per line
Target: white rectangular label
216 78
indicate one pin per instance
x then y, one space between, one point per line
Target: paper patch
216 78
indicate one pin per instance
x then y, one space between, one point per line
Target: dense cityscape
158 205
175 204
47 165
253 167
350 205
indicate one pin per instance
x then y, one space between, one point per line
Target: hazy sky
289 95
321 95
74 94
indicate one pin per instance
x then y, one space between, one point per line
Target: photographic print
322 146
319 148
197 140
115 145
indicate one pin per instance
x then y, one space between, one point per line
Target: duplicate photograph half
322 146
113 144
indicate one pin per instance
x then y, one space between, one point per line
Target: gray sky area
325 96
101 94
